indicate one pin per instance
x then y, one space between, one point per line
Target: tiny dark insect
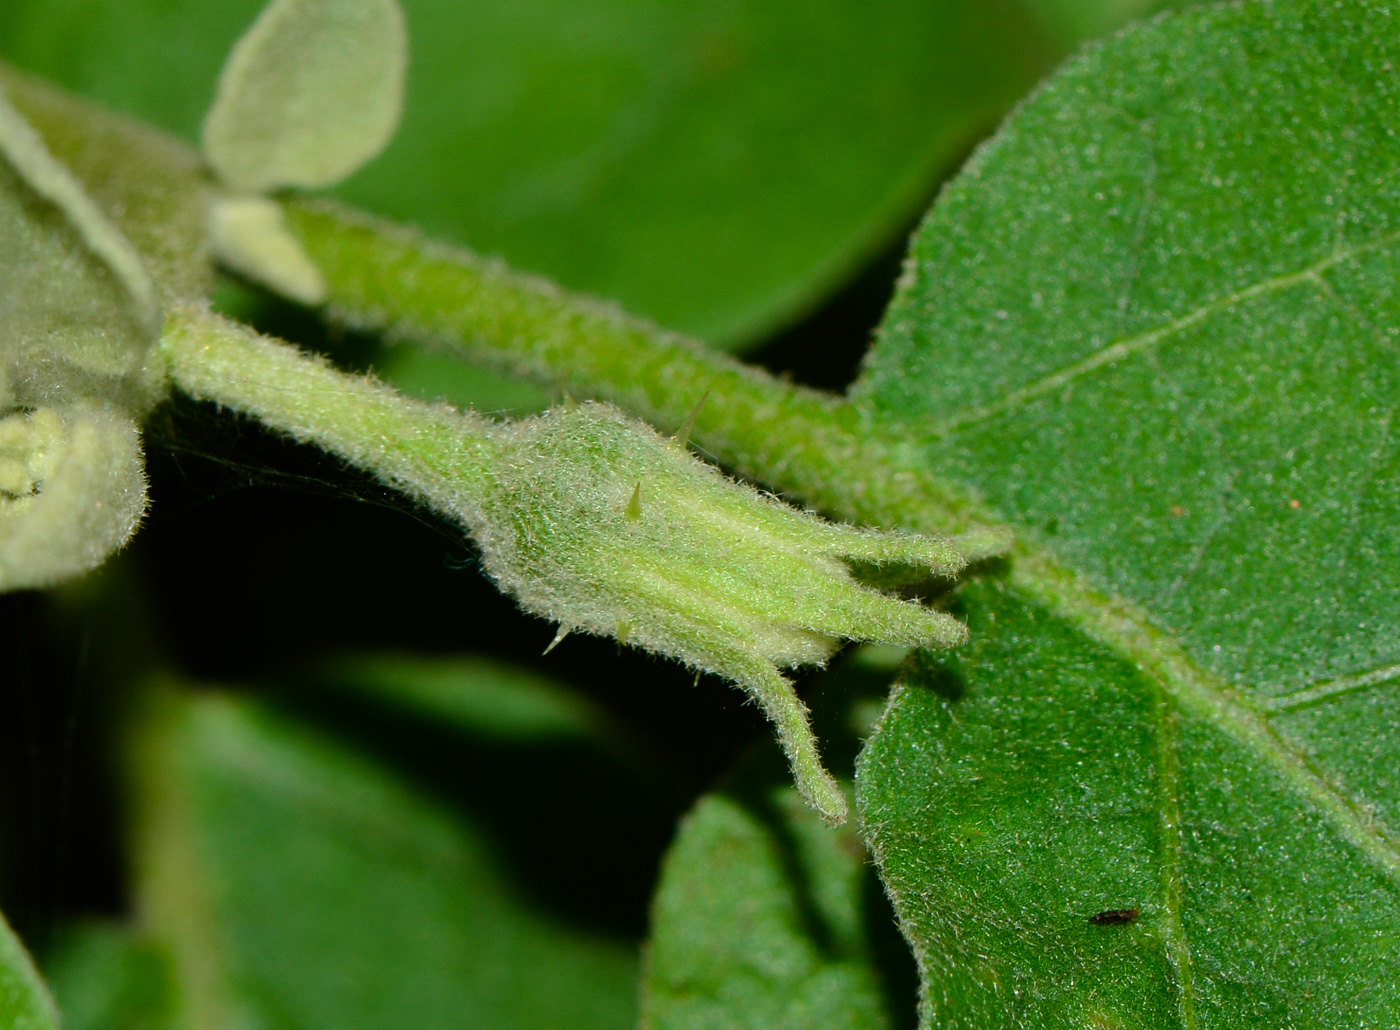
1112 916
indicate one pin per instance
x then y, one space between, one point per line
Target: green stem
809 444
385 279
433 452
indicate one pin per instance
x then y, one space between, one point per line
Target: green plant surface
78 312
766 918
501 700
1152 325
596 522
150 186
300 883
24 1001
309 94
105 976
710 166
757 921
1151 328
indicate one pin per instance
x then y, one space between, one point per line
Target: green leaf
24 1003
503 701
310 92
1154 326
106 977
717 167
249 236
301 884
78 314
761 919
765 918
152 187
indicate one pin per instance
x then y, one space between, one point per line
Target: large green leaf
24 1003
1154 326
715 166
299 883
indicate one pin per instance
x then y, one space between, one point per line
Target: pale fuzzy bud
72 491
597 522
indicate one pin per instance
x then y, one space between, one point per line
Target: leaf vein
1115 623
1173 887
1120 349
1327 691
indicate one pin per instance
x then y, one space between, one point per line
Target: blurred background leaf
718 167
303 881
24 1002
766 918
106 976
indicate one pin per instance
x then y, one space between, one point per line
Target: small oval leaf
311 92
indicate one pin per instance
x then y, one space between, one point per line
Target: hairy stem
433 452
811 444
808 444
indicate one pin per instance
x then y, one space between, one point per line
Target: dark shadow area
59 817
575 827
825 349
929 669
899 973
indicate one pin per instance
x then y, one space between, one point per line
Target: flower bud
597 522
71 492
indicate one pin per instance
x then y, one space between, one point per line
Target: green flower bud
595 521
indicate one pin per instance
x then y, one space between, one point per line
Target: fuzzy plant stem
418 447
386 279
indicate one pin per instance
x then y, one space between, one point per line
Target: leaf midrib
1173 880
1114 622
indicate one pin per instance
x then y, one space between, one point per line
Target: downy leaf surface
1154 326
311 91
78 314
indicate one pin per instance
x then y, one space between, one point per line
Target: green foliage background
261 773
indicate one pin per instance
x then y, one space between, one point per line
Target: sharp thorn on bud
564 631
682 436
